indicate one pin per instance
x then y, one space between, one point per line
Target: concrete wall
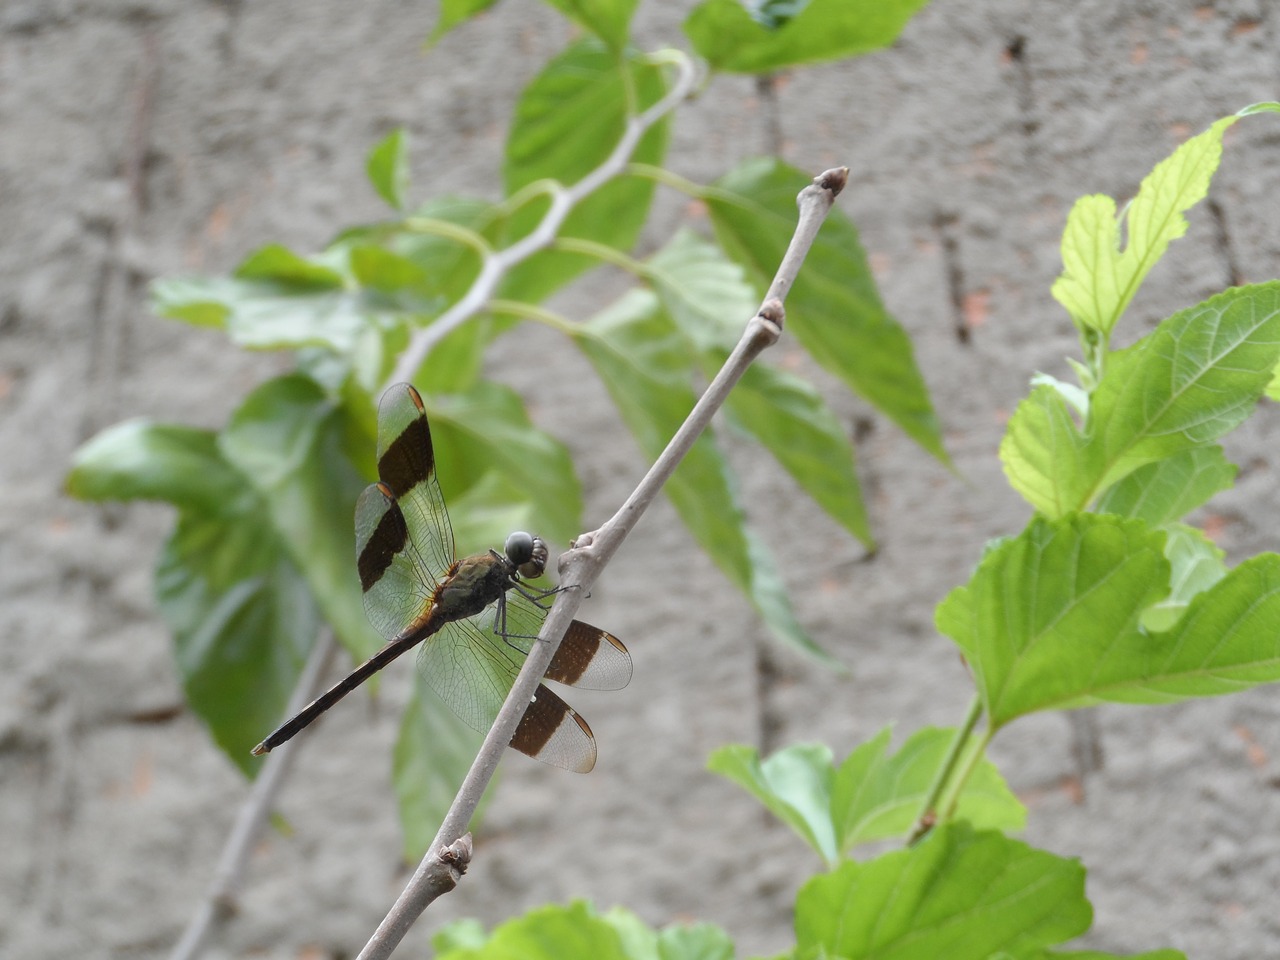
145 137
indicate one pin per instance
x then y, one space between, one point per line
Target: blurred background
145 138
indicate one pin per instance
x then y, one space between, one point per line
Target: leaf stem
928 810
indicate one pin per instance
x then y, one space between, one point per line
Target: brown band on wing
574 655
544 716
410 458
387 539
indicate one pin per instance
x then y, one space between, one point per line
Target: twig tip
833 180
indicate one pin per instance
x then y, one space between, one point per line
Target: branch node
457 856
774 316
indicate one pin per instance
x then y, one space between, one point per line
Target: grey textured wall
146 137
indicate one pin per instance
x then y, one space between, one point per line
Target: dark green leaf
834 309
433 753
388 168
875 796
243 619
757 37
646 366
567 122
957 894
607 19
286 439
281 265
140 460
794 784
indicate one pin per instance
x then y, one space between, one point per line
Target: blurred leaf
465 934
607 19
454 12
694 941
1196 565
758 36
646 367
794 784
1169 489
432 755
281 265
956 894
286 439
141 460
1099 279
243 620
382 270
567 122
875 796
833 309
709 299
1101 955
388 168
574 932
487 428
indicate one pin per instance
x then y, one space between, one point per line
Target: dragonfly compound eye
528 553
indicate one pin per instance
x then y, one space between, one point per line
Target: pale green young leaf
958 894
1169 489
758 37
1042 611
693 941
1099 279
573 932
876 795
833 309
387 167
794 784
1045 456
1196 564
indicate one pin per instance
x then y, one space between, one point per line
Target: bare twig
220 900
583 563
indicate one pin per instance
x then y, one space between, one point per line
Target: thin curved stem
928 810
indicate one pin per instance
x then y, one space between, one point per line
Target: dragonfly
474 619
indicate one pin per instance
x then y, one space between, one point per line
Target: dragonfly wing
473 670
407 465
587 657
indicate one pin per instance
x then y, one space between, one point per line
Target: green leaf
1193 380
1045 456
198 301
794 784
574 932
1101 955
1196 564
646 367
487 429
380 269
454 12
567 122
607 19
388 167
1050 620
286 439
277 264
243 619
1169 489
465 934
694 941
833 309
1044 611
957 894
1099 279
141 460
875 796
1185 385
710 300
432 755
757 37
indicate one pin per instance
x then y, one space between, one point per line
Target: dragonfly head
527 553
